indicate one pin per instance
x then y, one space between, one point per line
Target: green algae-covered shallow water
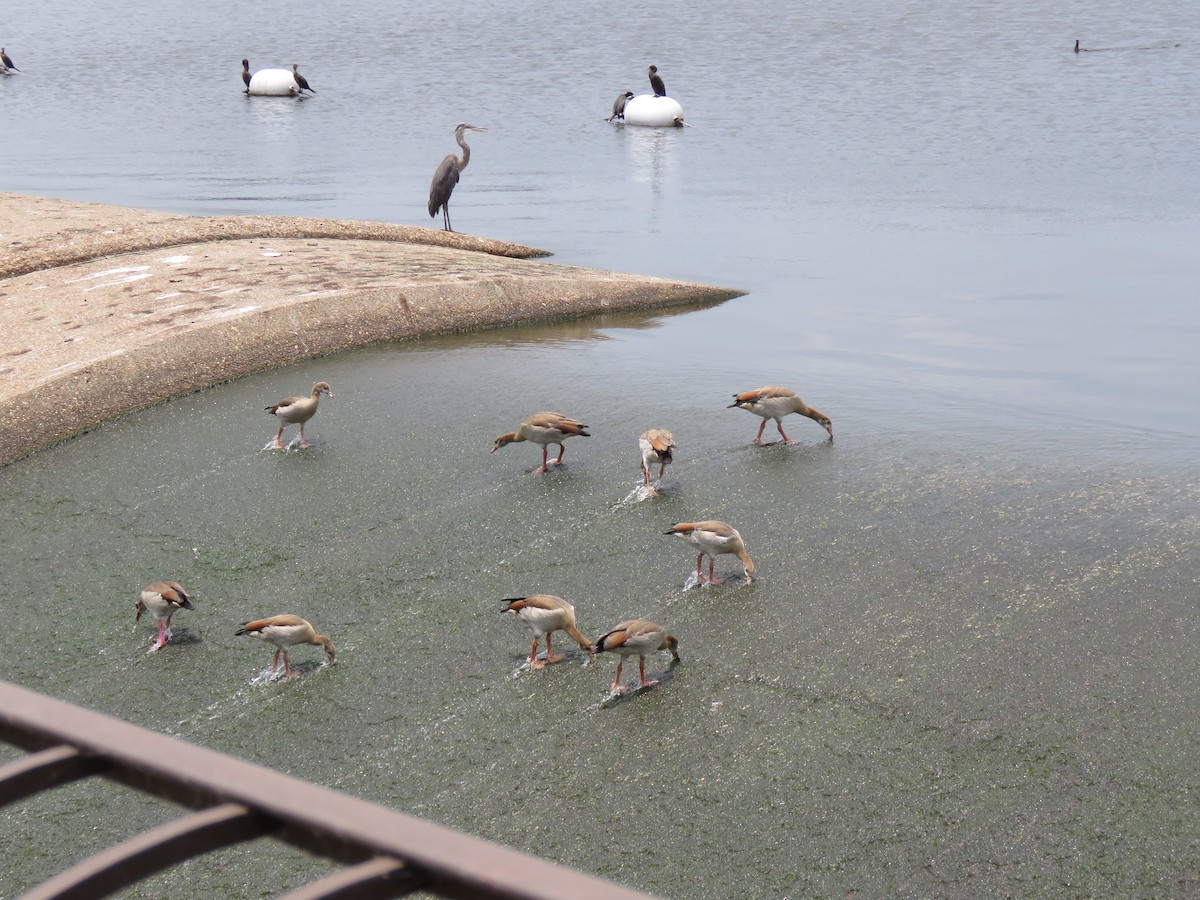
967 664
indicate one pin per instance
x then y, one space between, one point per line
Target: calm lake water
968 666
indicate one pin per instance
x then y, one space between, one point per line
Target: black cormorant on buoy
6 61
656 82
301 81
246 75
619 106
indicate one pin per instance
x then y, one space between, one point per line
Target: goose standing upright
774 402
162 599
6 61
447 174
546 614
291 410
714 538
544 428
640 638
287 631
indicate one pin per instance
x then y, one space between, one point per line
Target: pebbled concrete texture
106 309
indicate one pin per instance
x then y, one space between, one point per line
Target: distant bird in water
446 176
291 410
773 402
162 599
301 81
246 75
1076 45
286 631
640 638
619 106
656 82
544 428
6 61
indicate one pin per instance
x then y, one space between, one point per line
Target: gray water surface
967 666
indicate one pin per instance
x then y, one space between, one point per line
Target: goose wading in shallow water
640 638
713 538
658 449
292 410
162 599
773 402
544 428
447 174
546 614
287 631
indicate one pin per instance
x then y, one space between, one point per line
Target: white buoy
273 83
658 112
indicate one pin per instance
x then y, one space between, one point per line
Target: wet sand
105 309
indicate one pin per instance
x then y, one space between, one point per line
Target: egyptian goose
544 428
286 631
291 410
162 599
640 638
774 403
246 75
546 614
658 449
712 538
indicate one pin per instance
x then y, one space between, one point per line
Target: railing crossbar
376 879
152 851
37 772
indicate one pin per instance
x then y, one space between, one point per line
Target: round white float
273 83
659 112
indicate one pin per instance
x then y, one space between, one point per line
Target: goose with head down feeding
773 402
292 410
640 638
544 428
162 599
287 631
546 614
713 538
658 449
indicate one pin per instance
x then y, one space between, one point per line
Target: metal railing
386 853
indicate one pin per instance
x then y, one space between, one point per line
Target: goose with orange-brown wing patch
640 638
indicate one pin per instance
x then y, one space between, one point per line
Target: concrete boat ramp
105 309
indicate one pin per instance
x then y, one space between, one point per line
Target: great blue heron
619 106
446 176
656 82
6 61
301 81
246 75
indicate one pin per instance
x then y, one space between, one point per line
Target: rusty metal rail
387 854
